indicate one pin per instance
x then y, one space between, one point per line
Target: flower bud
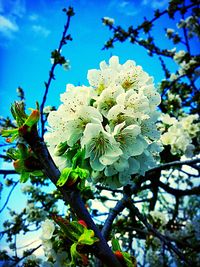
82 222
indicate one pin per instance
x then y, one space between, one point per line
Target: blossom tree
120 141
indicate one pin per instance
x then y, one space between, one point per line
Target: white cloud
33 17
13 8
127 8
7 27
38 29
155 4
123 4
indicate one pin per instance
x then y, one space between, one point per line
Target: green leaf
130 261
61 148
17 110
115 245
87 238
74 254
77 227
7 133
82 173
72 230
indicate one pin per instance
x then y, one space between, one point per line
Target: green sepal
87 238
61 148
24 177
37 173
71 151
64 176
78 158
82 173
71 175
33 118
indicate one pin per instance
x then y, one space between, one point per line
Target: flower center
99 145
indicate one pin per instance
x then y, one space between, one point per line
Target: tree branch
26 255
51 74
71 196
120 206
155 189
112 215
7 172
151 229
178 192
174 163
8 197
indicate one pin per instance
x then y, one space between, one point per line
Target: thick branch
121 204
71 196
112 215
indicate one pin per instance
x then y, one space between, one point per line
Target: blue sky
30 30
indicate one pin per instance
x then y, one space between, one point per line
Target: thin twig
9 195
174 163
51 75
30 252
178 192
7 172
151 229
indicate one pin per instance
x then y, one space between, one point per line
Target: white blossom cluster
158 217
35 213
58 257
108 21
113 119
191 23
48 229
179 133
179 58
